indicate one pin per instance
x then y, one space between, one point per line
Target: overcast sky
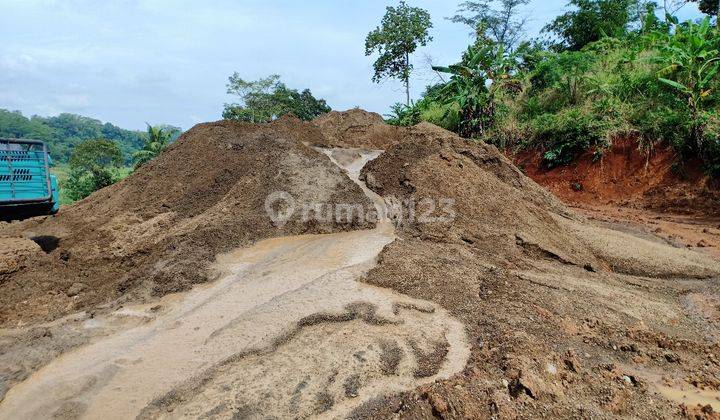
167 61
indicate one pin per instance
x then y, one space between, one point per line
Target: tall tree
268 98
589 21
401 30
499 19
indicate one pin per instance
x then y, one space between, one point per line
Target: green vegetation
402 29
591 20
65 131
610 69
266 99
500 22
94 164
157 139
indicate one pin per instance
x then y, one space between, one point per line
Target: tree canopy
65 131
401 31
93 165
157 139
266 99
589 21
499 20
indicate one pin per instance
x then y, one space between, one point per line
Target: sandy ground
690 231
287 332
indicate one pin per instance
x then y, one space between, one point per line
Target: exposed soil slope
629 189
157 231
626 175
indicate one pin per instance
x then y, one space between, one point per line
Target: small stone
572 362
628 380
505 383
672 357
551 368
75 289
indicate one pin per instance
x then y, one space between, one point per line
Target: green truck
27 188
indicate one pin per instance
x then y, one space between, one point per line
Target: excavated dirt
356 128
157 231
489 298
287 332
567 318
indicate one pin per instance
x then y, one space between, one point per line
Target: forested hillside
604 70
63 132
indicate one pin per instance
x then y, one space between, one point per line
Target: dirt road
286 332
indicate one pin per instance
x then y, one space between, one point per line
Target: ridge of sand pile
157 231
357 128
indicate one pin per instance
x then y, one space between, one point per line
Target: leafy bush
567 134
712 144
403 115
94 164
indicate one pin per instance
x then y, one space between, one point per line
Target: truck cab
27 188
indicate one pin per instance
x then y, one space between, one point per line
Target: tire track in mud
287 332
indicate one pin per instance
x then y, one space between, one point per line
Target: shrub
567 134
94 164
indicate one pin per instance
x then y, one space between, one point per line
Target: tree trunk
407 78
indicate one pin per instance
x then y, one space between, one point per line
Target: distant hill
63 132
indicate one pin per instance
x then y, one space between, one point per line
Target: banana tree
692 62
486 67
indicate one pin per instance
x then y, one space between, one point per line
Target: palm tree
157 140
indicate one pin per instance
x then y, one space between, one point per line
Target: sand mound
157 231
506 216
559 310
357 128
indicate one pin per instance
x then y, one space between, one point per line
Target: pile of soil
628 176
566 318
157 231
357 128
